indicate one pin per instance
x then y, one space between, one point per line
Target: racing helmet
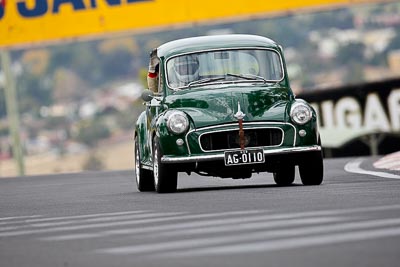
186 68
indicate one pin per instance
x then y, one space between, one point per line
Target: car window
238 65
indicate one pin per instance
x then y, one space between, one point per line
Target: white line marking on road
252 226
160 229
210 244
216 222
105 219
85 216
174 226
164 217
354 167
85 221
41 218
199 242
289 243
18 218
229 223
9 228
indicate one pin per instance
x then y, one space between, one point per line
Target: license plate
245 156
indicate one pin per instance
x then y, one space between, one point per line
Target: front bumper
221 155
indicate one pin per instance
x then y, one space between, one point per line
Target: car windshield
224 66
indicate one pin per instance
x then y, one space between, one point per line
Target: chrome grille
230 139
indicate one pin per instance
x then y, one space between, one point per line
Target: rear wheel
312 169
165 176
144 179
284 176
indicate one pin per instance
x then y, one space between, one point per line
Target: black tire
165 176
144 178
312 169
284 176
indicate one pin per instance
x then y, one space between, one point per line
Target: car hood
218 105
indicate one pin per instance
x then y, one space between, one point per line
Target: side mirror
147 95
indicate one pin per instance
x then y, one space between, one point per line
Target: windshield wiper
251 77
206 80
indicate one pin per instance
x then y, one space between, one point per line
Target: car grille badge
239 116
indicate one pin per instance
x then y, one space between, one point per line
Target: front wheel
165 176
312 169
144 181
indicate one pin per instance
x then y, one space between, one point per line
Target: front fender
141 134
140 125
168 140
311 127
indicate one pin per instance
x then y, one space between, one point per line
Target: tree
117 56
36 61
68 86
91 131
117 64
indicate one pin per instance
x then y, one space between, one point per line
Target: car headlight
177 122
300 113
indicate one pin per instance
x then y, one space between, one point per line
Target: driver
186 70
152 76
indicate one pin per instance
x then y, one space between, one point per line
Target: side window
271 69
276 68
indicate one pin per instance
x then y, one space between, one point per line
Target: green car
223 107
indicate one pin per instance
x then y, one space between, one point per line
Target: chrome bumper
220 156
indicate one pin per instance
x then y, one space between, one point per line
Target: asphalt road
100 219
